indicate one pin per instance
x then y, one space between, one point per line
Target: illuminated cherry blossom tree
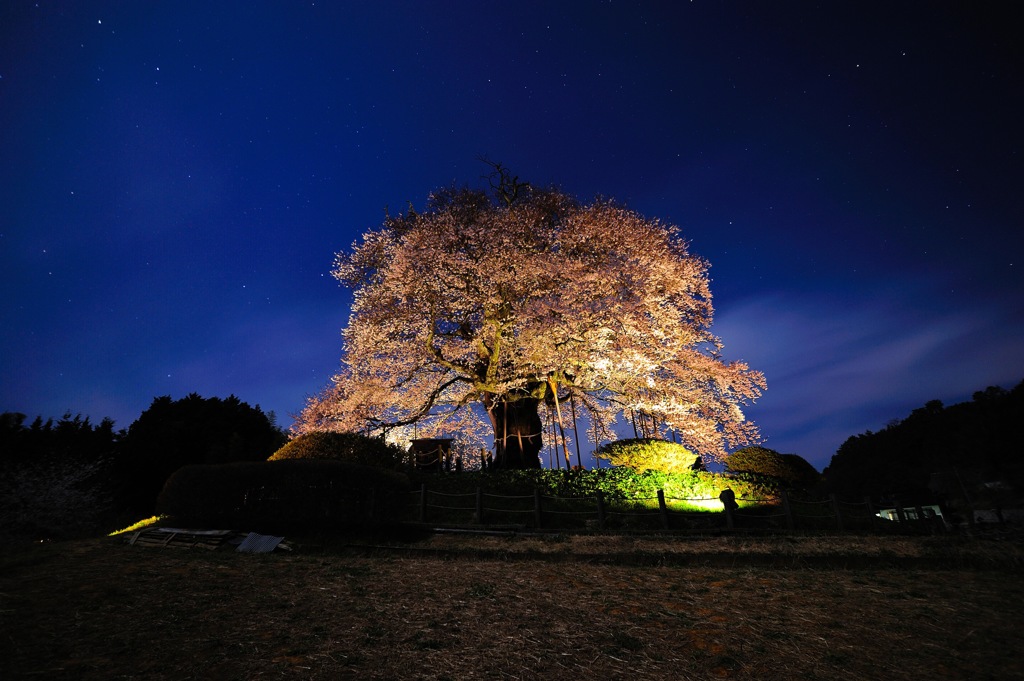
485 305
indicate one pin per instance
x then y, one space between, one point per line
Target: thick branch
424 411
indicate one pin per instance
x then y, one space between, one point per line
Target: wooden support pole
558 414
554 442
423 502
575 431
601 516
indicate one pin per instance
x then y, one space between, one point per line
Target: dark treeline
174 433
968 452
68 476
71 437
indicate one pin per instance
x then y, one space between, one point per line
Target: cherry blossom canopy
524 297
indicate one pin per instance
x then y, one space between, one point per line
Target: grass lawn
585 608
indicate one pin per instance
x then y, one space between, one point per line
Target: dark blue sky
175 179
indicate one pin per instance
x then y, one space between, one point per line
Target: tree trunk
517 431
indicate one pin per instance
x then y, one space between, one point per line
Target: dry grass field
492 607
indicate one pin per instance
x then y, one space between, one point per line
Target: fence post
423 502
837 510
538 513
728 500
663 508
871 509
787 510
899 512
600 510
479 506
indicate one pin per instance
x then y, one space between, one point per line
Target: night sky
176 178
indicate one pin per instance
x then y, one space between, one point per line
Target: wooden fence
540 511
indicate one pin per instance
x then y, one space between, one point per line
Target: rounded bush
648 454
786 470
351 447
758 461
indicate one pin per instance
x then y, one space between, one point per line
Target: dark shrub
284 495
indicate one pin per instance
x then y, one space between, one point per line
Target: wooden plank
179 539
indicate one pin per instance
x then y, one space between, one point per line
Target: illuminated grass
141 525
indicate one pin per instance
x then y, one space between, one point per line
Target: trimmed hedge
649 454
351 447
617 484
284 495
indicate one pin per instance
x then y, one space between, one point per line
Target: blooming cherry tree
482 307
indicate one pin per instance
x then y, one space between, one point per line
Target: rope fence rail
541 511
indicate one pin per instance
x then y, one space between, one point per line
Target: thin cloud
839 367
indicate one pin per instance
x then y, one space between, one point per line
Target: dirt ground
492 607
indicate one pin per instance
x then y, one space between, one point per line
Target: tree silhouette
960 449
523 296
193 430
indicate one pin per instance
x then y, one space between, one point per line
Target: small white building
913 513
